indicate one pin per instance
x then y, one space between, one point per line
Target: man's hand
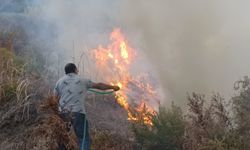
116 88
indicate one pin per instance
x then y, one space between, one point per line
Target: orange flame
114 63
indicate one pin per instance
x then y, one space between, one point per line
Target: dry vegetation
209 124
29 119
23 125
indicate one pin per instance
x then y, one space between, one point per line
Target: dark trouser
80 125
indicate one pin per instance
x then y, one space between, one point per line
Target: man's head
70 68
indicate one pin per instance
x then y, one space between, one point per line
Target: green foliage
166 132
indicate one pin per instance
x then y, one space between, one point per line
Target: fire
119 84
124 52
110 55
114 62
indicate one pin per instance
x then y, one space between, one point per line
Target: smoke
199 46
79 25
193 45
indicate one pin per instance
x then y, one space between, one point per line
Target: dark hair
70 68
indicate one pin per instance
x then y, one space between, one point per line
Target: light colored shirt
72 92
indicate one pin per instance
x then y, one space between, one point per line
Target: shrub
241 107
166 132
209 128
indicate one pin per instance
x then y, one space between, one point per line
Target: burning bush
115 62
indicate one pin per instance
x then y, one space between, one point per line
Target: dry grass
43 130
24 123
11 77
104 140
57 134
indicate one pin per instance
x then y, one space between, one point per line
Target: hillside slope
29 119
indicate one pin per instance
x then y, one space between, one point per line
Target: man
71 91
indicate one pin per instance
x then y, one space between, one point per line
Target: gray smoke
195 45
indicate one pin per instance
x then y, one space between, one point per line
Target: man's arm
103 86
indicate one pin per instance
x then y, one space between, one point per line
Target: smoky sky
195 46
192 46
